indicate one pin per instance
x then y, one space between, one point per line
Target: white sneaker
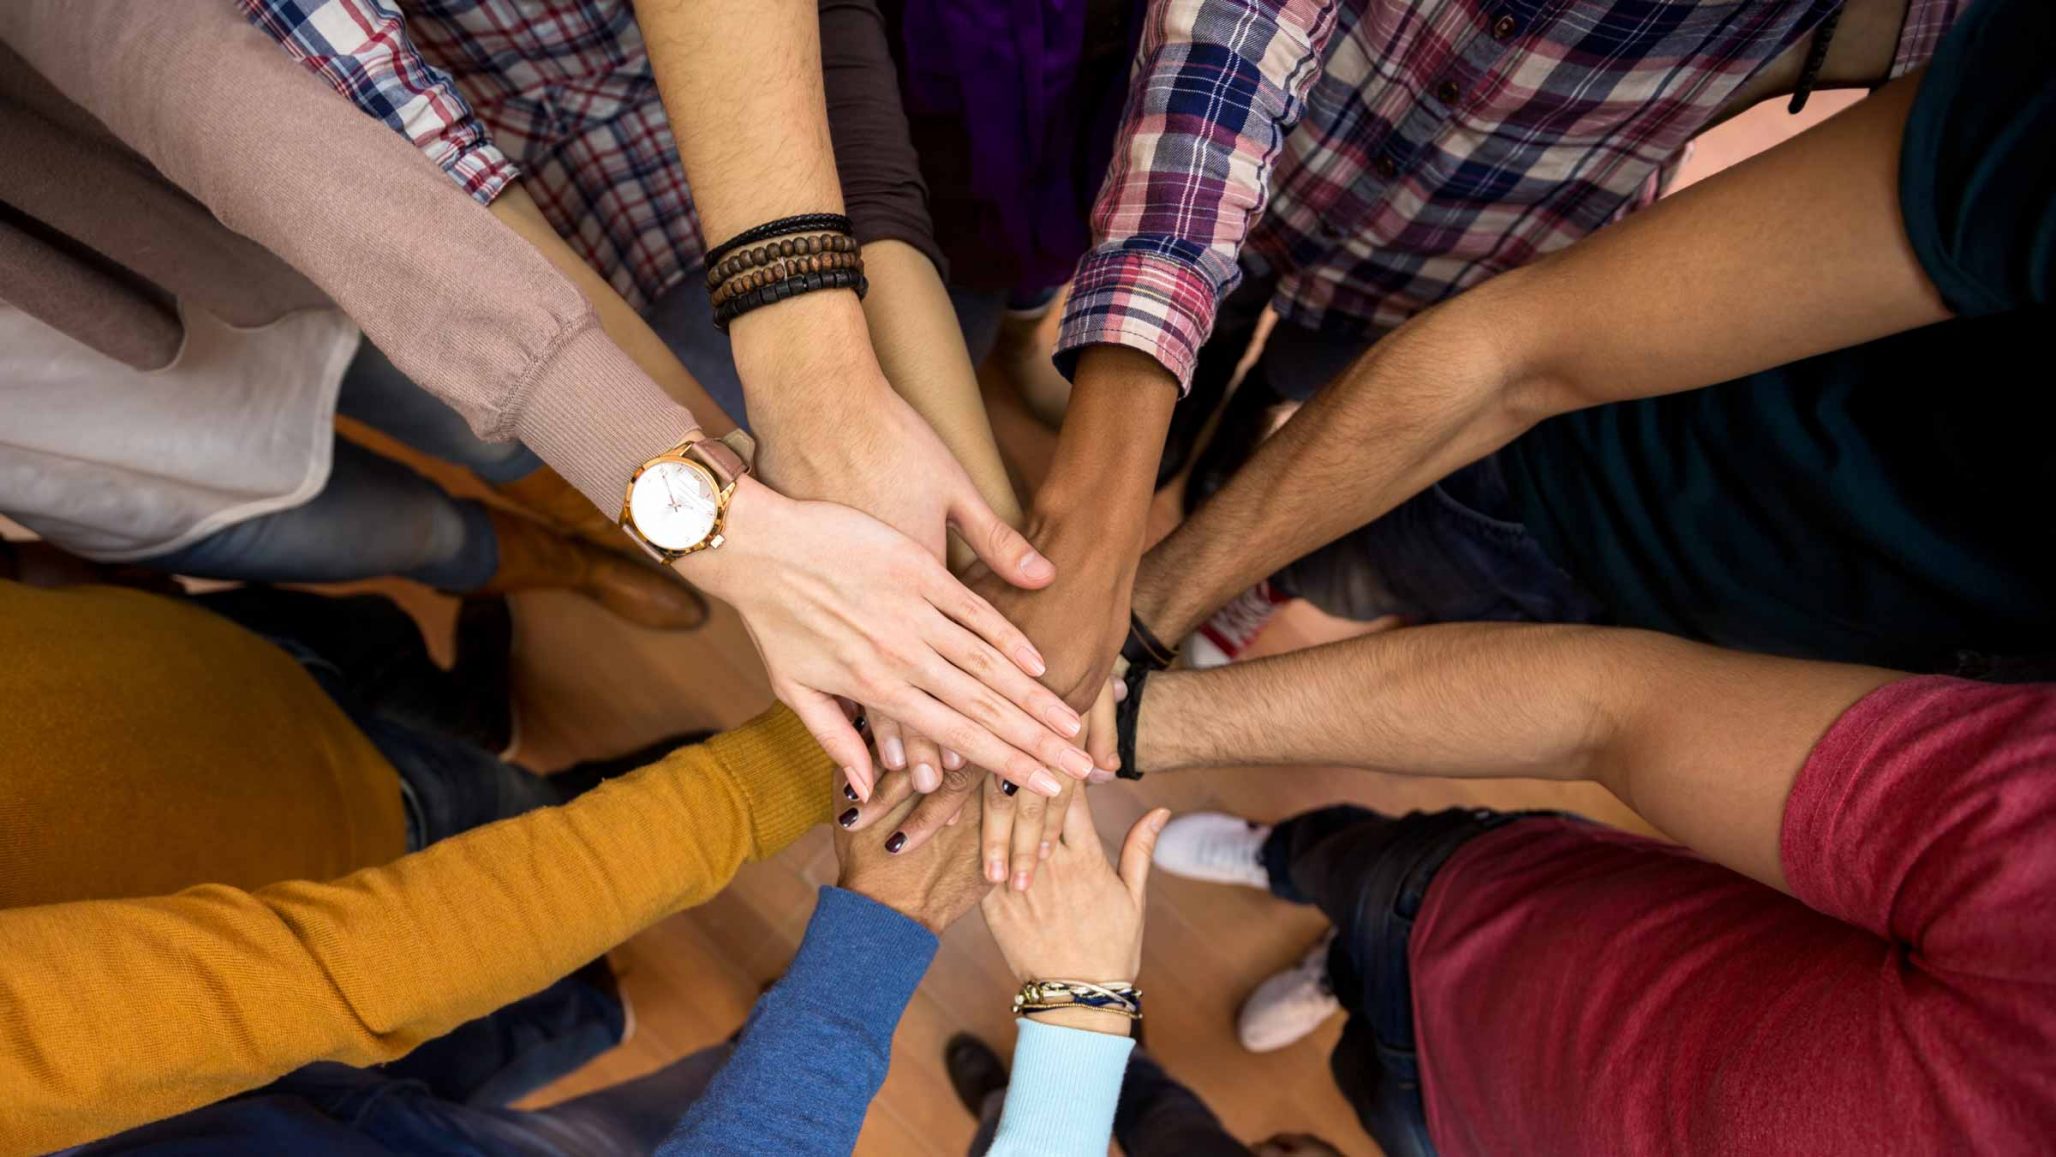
1215 847
1289 1006
1231 630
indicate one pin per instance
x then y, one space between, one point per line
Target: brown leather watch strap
727 465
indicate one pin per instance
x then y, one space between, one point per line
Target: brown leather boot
560 504
534 557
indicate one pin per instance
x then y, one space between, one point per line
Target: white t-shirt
115 463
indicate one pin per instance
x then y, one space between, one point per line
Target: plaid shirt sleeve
361 48
1217 85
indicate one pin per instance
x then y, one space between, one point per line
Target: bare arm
1796 252
1703 743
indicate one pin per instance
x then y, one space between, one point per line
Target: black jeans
1369 874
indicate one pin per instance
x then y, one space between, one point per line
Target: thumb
1137 849
998 545
832 730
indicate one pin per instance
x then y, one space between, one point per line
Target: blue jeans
375 516
1452 553
1369 874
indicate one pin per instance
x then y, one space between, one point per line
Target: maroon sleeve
874 154
1581 990
1927 815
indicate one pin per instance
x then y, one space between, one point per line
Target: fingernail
1120 690
847 818
1008 787
849 776
1043 852
1020 881
996 870
1030 660
1036 567
1157 821
895 842
951 759
1065 720
1076 762
1042 782
894 753
926 778
849 793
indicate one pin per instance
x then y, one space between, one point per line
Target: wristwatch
677 501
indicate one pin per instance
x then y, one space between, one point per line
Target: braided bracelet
777 291
782 227
1049 995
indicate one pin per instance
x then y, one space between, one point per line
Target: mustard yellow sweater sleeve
115 1013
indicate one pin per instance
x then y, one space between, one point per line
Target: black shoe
1245 423
975 1071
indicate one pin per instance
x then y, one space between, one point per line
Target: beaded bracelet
812 245
783 227
1048 995
782 269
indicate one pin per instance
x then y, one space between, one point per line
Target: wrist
1104 471
805 350
747 529
1098 1020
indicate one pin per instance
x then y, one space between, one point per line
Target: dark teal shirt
1887 503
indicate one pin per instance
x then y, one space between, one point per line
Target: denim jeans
1155 1117
1369 874
375 516
1452 553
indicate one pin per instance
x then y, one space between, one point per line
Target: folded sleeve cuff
1061 1096
1145 301
482 171
782 773
594 415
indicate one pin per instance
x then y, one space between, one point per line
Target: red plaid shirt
1379 156
564 86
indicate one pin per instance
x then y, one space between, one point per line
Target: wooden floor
589 686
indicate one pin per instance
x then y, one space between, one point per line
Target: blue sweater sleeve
817 1045
1061 1097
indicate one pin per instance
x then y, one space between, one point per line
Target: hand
1084 921
840 604
933 886
1080 620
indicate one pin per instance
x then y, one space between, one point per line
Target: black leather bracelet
1144 649
778 291
1127 714
1816 56
782 227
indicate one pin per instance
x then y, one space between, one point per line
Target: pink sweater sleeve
459 302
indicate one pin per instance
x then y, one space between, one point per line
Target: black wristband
782 227
1127 714
1144 649
1816 56
777 291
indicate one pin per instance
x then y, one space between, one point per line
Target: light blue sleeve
1061 1096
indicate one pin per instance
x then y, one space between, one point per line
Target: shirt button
1504 27
1386 168
1447 92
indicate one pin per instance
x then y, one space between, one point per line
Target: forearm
914 332
519 212
1795 252
1103 474
1703 743
1426 400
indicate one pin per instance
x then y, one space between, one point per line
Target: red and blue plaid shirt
564 86
1379 156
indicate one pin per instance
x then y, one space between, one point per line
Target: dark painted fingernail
849 793
898 841
847 818
1009 787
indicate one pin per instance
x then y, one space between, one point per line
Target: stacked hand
1083 920
934 886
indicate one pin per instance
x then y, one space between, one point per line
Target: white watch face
674 505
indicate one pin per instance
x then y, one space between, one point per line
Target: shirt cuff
1061 1096
1145 301
594 415
1922 29
482 171
861 959
782 772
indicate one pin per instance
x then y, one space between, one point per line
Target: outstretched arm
1703 743
1801 250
